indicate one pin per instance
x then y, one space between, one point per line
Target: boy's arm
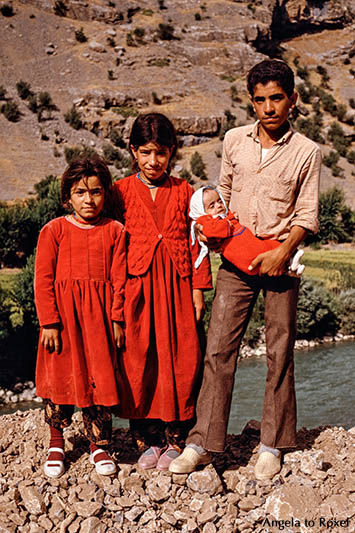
273 262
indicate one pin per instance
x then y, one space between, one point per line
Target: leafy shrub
198 167
352 103
2 93
234 93
186 175
303 72
7 10
198 16
329 103
165 32
73 117
304 93
116 138
60 8
139 34
155 98
331 159
111 154
341 112
23 89
32 103
80 35
310 128
350 156
335 219
159 62
346 301
130 41
11 111
317 314
227 123
76 152
337 137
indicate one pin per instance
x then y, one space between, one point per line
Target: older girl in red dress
79 286
160 362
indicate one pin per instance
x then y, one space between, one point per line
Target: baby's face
212 202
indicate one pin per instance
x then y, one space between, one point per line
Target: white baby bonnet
197 210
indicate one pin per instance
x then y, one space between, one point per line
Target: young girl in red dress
160 362
80 274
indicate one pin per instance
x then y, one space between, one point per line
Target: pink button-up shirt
271 196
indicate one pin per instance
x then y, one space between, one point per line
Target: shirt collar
253 133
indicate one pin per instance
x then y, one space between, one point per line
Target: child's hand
50 338
118 334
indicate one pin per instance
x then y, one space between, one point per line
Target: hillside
172 56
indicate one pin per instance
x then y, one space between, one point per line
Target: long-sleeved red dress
159 365
80 274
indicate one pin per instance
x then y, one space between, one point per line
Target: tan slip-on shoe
188 461
267 466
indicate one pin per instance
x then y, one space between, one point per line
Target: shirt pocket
278 187
237 177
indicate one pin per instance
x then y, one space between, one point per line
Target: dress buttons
160 236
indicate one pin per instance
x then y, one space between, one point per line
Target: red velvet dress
160 362
80 275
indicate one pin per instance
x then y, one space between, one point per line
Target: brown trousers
236 294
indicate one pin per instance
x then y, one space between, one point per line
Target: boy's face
212 203
272 105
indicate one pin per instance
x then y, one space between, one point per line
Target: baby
238 244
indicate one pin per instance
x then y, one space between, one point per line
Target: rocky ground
314 492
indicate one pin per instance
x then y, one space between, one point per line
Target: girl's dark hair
152 127
84 169
271 70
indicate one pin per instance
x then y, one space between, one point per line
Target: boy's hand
199 303
50 338
272 263
118 334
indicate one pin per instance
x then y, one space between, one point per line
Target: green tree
197 165
333 216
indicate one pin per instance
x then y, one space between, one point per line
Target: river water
324 389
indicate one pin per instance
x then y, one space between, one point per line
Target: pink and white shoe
165 459
149 459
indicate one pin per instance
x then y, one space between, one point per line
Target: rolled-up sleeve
306 206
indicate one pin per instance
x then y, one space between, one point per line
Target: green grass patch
7 278
125 111
335 268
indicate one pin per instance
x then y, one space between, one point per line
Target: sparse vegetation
227 124
60 8
80 35
73 118
310 128
125 111
116 138
23 89
165 32
186 175
155 98
11 111
7 10
2 93
76 152
159 62
198 167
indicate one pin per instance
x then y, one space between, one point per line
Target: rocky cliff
112 60
314 492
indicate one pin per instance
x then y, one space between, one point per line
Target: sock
56 438
103 456
264 448
196 447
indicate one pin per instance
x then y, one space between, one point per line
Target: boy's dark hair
152 127
271 70
83 169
